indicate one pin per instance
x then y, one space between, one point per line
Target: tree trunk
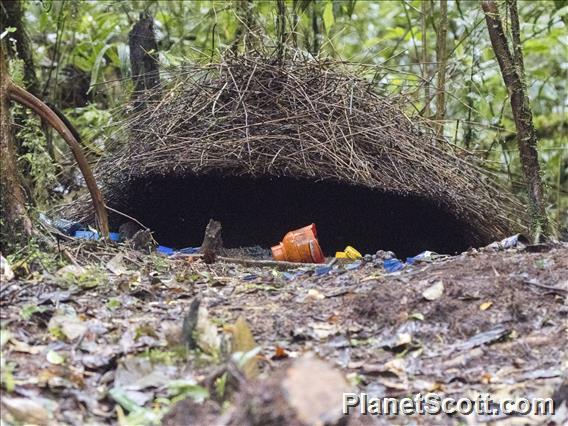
244 11
516 38
425 9
15 223
441 59
316 30
522 114
281 28
295 23
143 56
12 13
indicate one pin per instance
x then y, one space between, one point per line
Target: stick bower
265 147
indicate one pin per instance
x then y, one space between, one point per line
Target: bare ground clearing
70 337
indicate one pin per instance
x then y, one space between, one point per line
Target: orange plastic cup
300 245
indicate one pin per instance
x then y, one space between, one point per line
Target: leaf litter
113 339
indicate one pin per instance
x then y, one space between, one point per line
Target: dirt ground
105 341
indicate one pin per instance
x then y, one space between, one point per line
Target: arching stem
20 95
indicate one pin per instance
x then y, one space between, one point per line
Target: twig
547 287
280 265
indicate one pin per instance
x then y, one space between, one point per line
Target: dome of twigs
303 119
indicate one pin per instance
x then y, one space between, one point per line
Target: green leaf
328 18
350 7
113 304
187 388
4 337
55 358
125 402
242 358
138 415
27 311
416 316
97 65
7 31
124 59
221 385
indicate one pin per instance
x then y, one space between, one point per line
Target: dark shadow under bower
260 211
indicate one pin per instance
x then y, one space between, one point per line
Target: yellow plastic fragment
352 253
348 253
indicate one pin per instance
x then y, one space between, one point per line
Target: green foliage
187 389
6 368
90 277
328 17
28 310
94 124
221 385
34 257
6 374
40 168
113 304
171 356
159 263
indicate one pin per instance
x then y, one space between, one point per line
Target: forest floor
105 340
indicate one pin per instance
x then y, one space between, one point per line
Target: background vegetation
81 62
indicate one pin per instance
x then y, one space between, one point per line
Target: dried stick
278 264
281 266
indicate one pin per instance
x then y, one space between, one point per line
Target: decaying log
212 244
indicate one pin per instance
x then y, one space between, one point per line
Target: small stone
314 390
6 273
385 255
434 292
143 240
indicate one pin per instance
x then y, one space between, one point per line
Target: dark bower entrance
260 211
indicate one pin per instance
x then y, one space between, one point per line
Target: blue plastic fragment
190 250
94 235
87 235
353 266
322 270
392 265
289 276
165 250
250 277
424 256
68 227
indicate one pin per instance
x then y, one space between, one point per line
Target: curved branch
17 94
